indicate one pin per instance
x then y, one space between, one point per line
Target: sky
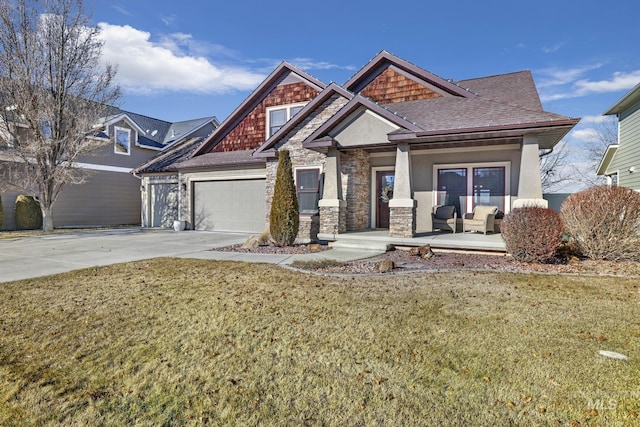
185 60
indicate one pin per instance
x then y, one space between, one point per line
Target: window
278 116
452 189
308 190
122 144
465 186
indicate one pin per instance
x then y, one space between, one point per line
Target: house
110 194
621 161
377 152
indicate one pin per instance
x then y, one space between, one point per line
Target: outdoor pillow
480 212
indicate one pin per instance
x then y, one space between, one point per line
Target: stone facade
302 158
356 188
333 220
402 222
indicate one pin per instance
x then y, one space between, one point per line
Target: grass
192 342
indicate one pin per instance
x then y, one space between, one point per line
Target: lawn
192 342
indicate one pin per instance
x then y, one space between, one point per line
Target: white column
402 189
332 191
530 181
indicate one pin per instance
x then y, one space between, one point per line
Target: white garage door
163 204
229 205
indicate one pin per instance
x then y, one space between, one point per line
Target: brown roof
443 114
165 161
514 89
224 158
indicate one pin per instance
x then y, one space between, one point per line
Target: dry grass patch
186 342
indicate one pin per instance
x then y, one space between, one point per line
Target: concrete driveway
23 258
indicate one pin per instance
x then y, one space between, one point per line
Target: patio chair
444 218
481 219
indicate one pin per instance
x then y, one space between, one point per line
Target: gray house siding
106 198
628 154
9 207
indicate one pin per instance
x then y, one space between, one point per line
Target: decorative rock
385 266
251 243
315 246
414 251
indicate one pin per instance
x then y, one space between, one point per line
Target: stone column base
402 222
333 216
308 229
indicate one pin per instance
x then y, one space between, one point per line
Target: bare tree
554 168
53 92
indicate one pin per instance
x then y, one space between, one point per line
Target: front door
384 193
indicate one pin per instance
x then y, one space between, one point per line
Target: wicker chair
481 220
444 218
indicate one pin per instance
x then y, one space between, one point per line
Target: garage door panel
230 205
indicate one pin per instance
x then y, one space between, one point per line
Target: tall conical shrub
28 213
284 218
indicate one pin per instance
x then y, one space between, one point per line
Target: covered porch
381 240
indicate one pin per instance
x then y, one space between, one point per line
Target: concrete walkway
27 257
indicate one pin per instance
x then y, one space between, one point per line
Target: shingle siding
250 133
390 87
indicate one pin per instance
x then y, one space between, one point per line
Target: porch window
489 187
452 189
308 190
278 116
465 186
122 143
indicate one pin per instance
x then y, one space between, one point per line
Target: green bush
284 218
28 213
603 223
532 234
1 214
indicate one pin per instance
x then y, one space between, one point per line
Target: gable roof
326 94
384 60
166 161
279 74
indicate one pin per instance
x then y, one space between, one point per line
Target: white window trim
295 182
288 108
115 140
470 167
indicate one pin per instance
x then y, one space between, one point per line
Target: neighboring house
621 162
110 194
375 153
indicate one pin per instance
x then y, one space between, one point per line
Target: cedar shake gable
266 149
245 128
387 79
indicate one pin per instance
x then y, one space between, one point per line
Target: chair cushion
445 212
481 212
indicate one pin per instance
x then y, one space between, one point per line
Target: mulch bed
447 260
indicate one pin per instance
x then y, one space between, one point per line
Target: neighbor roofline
609 153
627 100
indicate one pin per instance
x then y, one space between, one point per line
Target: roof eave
606 159
627 100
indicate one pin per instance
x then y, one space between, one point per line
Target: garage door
163 204
229 205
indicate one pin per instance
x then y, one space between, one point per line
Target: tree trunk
47 218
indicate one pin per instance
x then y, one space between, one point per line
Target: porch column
332 207
402 208
530 181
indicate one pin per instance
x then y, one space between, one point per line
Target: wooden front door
384 193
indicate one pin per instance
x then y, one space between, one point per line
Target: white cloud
145 66
552 49
585 135
558 83
309 64
619 81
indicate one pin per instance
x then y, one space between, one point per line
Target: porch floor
440 240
